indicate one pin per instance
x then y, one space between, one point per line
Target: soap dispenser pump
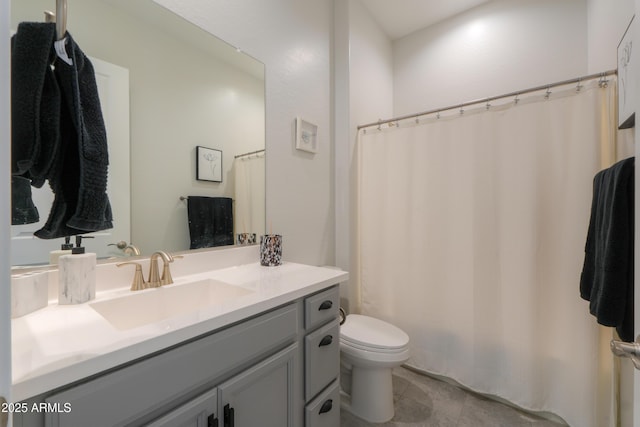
65 249
77 275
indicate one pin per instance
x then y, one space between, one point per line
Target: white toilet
369 349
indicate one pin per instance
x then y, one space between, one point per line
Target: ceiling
399 18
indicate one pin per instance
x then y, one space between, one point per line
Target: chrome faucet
127 248
154 276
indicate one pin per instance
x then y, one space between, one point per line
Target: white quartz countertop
58 344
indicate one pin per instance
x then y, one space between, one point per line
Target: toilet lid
370 332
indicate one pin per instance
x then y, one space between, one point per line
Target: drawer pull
326 341
326 305
326 406
229 416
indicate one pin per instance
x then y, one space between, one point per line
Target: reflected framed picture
306 136
208 164
626 80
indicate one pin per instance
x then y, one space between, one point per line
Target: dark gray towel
210 221
23 211
35 114
35 101
78 177
607 275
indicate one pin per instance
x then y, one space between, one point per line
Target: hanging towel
78 176
210 221
35 114
607 275
23 211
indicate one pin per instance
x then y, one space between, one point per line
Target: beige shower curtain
471 238
249 195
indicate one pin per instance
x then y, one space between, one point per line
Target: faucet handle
138 282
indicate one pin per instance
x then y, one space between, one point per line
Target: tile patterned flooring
422 401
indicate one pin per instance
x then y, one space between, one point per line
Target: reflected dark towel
78 177
210 221
35 115
23 211
607 275
35 101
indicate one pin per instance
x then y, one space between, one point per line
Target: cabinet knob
326 305
326 341
326 406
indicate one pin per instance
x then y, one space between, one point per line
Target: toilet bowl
369 349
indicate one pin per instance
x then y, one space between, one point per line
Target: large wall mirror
166 87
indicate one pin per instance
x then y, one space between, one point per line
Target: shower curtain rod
492 98
249 153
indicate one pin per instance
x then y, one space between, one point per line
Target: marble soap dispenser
65 249
77 275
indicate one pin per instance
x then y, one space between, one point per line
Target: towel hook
60 18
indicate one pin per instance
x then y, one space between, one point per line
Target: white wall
496 48
293 40
5 206
606 26
366 56
371 66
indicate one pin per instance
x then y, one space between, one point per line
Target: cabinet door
262 395
199 412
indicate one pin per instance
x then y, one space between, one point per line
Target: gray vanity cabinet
260 396
275 369
322 359
199 412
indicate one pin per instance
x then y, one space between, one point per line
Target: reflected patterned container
246 238
271 250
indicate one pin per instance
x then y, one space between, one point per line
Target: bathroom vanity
264 354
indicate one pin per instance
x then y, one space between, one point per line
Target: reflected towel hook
60 18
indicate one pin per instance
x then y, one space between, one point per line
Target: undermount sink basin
153 305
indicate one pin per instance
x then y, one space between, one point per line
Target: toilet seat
370 334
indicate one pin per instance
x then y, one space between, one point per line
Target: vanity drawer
324 410
321 307
322 358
